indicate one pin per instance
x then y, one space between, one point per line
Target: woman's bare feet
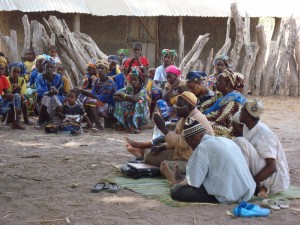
137 152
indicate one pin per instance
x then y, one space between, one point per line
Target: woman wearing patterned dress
132 110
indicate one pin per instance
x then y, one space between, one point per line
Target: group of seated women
116 88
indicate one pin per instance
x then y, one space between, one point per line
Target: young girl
29 63
90 76
53 54
137 60
18 86
10 104
70 114
61 71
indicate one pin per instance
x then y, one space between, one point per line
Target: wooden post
76 24
209 62
27 34
180 39
294 88
285 56
276 29
238 43
260 58
297 54
12 45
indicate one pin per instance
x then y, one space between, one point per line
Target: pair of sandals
276 204
248 210
102 186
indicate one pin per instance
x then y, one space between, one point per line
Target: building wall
109 32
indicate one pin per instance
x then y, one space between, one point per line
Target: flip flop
271 204
112 188
99 187
283 203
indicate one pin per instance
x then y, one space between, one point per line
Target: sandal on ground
271 204
99 187
112 188
283 203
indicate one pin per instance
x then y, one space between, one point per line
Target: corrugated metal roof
63 6
199 8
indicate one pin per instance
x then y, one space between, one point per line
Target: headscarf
123 51
169 52
174 70
255 107
50 61
223 57
20 65
191 128
103 63
136 72
189 97
164 108
113 58
90 64
196 76
236 79
3 61
44 57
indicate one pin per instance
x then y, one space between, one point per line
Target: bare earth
45 179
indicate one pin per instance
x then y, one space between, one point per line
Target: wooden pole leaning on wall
76 23
180 39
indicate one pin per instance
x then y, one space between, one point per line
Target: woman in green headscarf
131 106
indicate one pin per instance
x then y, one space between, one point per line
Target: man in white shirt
262 151
168 59
216 171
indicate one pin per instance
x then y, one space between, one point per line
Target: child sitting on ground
67 84
70 114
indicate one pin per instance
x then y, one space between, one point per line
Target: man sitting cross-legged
216 171
262 151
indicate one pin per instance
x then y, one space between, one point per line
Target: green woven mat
159 189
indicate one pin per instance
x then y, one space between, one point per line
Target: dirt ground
45 179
